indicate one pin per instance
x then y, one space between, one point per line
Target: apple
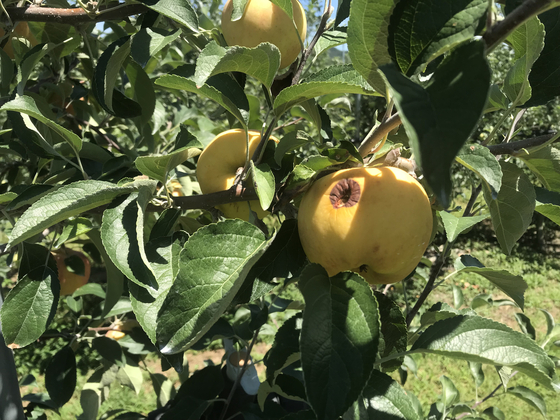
374 221
70 281
218 165
21 30
263 21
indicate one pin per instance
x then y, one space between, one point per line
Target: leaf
115 279
74 227
122 233
212 267
337 356
285 348
450 394
512 210
525 325
163 388
147 42
158 167
110 350
511 285
329 39
483 163
142 88
530 397
393 339
28 196
440 118
382 398
67 201
181 12
60 376
367 39
163 255
545 163
482 340
26 105
477 373
286 6
454 225
297 94
232 100
527 41
545 74
238 9
264 184
131 376
30 306
261 62
422 30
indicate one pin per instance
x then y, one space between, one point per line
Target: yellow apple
374 221
218 164
115 334
21 30
263 21
70 281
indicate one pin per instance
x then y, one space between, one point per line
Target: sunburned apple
374 221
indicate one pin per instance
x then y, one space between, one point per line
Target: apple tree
107 110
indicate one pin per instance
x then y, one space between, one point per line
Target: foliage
102 126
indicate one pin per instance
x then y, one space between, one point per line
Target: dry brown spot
346 193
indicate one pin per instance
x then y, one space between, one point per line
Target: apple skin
217 166
263 21
382 236
69 281
21 30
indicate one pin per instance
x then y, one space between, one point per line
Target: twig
515 146
377 134
240 374
74 15
307 53
529 8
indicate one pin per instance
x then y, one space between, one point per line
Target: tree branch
516 146
529 8
74 15
376 135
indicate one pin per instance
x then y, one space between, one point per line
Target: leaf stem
377 134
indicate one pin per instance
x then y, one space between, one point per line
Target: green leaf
286 6
525 325
122 233
382 398
28 196
67 201
422 30
548 204
440 118
264 183
512 210
261 62
545 163
7 197
527 41
147 42
158 167
329 39
163 255
131 377
26 105
30 306
235 103
531 397
450 394
545 74
290 141
212 267
368 29
511 285
6 72
115 279
496 100
393 339
454 225
74 227
238 9
60 376
337 356
483 163
297 94
482 340
181 12
142 88
477 373
285 348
